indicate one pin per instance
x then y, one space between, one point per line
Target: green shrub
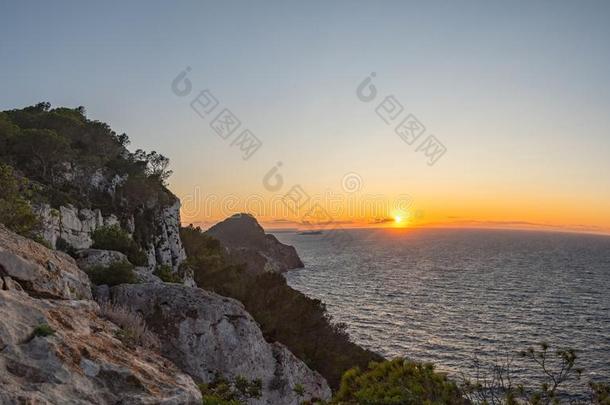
166 274
115 238
43 330
398 381
64 246
299 390
116 273
15 211
222 392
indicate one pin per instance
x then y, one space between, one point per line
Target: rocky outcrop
74 226
40 271
76 358
247 243
88 258
166 247
81 362
206 334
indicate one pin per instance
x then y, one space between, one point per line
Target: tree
44 150
15 211
400 382
497 386
157 166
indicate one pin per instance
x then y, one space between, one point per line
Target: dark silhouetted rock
247 243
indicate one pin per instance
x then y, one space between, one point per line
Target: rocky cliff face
206 334
71 224
247 243
79 359
39 271
202 335
166 247
75 226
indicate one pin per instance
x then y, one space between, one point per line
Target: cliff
201 336
71 184
247 243
55 347
65 177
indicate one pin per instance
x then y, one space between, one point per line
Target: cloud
322 223
382 220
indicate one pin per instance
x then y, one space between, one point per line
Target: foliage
61 150
299 390
166 274
15 211
65 247
497 387
398 381
284 314
116 273
223 392
43 330
134 330
115 238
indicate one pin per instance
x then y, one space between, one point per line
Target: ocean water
450 296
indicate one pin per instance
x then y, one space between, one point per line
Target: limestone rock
204 334
144 275
166 248
82 362
40 271
88 258
247 243
71 224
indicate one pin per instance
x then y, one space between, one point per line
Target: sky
516 94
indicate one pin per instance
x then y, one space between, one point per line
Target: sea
464 299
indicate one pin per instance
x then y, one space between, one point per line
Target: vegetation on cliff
15 210
284 314
59 157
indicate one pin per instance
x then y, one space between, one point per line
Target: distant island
310 233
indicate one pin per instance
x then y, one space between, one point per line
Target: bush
15 211
398 381
115 238
166 274
116 273
299 390
222 392
43 330
133 327
63 246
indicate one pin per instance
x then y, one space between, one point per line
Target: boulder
80 361
88 258
144 275
206 334
40 271
246 243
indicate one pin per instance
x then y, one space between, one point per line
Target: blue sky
518 92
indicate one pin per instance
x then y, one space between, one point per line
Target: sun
398 219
